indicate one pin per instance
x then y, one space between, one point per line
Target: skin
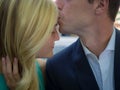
68 13
47 50
11 75
91 25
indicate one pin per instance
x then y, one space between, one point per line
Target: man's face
74 15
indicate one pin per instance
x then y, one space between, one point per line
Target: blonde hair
24 27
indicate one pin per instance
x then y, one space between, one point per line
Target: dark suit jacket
70 70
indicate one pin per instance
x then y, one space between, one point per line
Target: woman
45 52
24 27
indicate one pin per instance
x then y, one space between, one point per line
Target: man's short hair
112 8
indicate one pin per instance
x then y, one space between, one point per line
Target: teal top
40 77
3 85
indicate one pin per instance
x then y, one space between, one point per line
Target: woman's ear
101 6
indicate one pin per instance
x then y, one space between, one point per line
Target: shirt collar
87 51
111 43
110 46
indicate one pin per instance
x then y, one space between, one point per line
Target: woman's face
47 50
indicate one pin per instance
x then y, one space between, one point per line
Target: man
93 61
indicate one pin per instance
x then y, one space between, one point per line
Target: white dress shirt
103 67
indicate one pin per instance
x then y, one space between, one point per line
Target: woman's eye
55 25
53 32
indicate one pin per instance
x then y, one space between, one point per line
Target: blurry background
65 41
117 21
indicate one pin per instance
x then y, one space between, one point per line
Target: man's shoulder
65 55
117 31
117 34
62 55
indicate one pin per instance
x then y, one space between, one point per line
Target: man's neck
96 47
96 41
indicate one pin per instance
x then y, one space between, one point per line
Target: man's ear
101 6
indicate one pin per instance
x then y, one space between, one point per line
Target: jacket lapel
84 74
117 61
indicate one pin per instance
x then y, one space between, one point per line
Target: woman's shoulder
41 63
3 85
40 67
